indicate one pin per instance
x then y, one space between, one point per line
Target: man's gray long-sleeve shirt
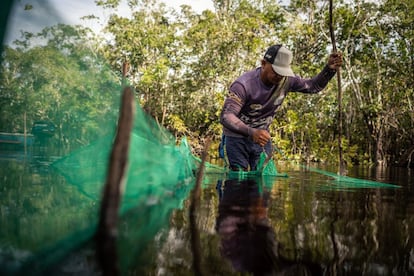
252 104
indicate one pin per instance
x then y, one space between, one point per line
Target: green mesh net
351 182
159 177
156 163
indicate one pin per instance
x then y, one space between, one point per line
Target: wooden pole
342 170
106 235
194 206
125 69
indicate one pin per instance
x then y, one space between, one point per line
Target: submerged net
351 182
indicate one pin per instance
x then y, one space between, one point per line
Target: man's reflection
247 237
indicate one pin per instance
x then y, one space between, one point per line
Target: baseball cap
280 58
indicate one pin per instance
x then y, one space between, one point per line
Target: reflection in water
39 213
248 240
305 224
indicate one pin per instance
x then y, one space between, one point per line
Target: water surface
308 223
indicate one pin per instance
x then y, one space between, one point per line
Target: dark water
304 224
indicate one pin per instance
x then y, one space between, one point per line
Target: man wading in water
253 100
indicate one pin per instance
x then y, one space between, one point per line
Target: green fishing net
156 164
351 182
66 104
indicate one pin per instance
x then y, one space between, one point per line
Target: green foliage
182 62
62 82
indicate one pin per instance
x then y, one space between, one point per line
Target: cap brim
283 71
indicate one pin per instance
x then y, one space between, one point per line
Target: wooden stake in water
194 206
106 235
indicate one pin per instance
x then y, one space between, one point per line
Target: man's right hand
260 136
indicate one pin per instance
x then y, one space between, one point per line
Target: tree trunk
407 159
380 158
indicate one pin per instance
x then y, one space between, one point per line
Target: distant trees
181 64
59 80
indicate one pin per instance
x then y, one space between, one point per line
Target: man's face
269 76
